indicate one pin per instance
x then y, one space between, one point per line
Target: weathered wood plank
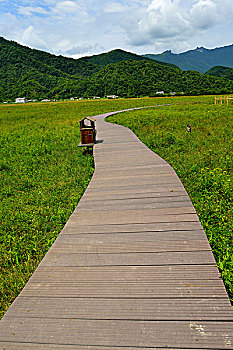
37 346
186 334
143 188
97 246
99 258
74 227
122 309
195 238
119 205
125 273
133 195
129 282
169 215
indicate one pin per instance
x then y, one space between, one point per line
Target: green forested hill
221 72
13 53
144 78
37 74
116 56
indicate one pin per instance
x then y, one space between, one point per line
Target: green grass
203 160
43 174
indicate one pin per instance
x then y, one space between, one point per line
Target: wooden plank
37 346
164 172
135 203
159 216
133 206
120 273
141 187
128 282
105 245
159 239
133 171
74 227
98 258
135 181
174 334
122 309
169 214
129 289
133 195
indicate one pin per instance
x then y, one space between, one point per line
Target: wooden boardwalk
132 268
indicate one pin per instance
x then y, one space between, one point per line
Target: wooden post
227 101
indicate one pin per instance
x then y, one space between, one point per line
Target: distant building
46 100
172 93
21 100
112 96
159 92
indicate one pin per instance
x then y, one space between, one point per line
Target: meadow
203 160
43 173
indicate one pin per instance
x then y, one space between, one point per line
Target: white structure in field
112 96
21 100
159 92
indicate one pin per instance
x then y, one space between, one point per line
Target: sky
77 28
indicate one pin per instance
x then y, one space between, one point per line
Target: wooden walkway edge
131 270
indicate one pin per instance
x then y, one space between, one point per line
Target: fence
223 100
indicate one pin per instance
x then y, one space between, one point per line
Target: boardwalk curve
131 269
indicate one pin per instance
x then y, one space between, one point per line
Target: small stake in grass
188 128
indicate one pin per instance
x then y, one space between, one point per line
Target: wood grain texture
186 334
131 269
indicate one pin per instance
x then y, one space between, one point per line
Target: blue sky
84 27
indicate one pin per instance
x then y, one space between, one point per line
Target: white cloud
167 21
67 6
114 7
161 20
29 10
32 38
84 49
74 27
203 14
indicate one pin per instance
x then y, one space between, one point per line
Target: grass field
203 159
43 174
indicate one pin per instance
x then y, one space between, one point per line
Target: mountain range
200 59
35 74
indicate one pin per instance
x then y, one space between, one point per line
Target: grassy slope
202 160
43 174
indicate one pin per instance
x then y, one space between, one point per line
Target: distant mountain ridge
200 59
35 74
